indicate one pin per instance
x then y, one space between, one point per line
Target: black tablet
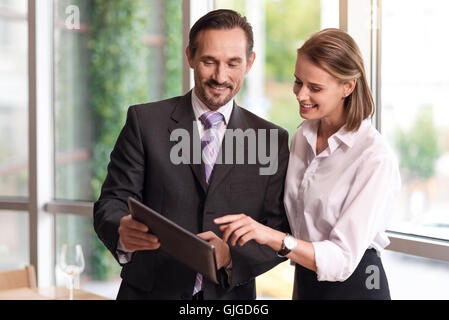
181 244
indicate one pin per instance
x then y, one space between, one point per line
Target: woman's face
320 95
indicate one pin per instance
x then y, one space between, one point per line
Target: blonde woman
341 180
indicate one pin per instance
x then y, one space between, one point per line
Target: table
51 293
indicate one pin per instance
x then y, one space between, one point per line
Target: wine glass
71 263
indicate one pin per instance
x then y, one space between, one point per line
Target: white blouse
341 199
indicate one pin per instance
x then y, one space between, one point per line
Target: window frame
41 204
417 245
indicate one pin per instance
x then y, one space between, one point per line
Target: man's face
220 65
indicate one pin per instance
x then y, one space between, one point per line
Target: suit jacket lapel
220 171
183 118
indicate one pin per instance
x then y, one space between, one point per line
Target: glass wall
108 55
73 121
102 66
415 111
14 226
416 278
14 240
74 229
13 98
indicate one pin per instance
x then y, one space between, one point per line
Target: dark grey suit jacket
140 167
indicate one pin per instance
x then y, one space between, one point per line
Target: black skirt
368 281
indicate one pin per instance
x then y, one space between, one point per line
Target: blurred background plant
116 52
127 52
418 146
418 149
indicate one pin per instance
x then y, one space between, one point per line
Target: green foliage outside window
115 77
173 50
117 80
290 20
418 147
288 24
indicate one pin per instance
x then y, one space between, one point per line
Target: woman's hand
239 229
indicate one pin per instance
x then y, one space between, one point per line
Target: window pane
101 273
411 277
13 99
280 27
73 123
415 115
14 240
15 7
120 54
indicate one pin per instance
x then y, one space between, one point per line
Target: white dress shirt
199 108
340 200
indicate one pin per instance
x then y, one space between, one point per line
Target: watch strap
284 250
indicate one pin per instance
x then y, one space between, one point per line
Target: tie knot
211 119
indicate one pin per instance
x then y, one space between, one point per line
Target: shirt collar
349 137
310 131
199 108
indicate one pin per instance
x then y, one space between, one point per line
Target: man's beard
209 100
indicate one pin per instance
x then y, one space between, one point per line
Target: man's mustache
216 84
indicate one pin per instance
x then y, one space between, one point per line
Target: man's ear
250 62
189 57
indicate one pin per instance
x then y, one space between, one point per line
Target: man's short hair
221 19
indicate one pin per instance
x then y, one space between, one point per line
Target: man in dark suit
194 193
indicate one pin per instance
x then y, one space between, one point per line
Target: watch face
290 242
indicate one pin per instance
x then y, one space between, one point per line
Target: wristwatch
288 244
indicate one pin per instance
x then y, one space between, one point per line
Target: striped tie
210 141
210 145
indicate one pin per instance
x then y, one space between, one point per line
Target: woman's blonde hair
337 53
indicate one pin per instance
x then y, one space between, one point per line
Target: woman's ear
348 87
